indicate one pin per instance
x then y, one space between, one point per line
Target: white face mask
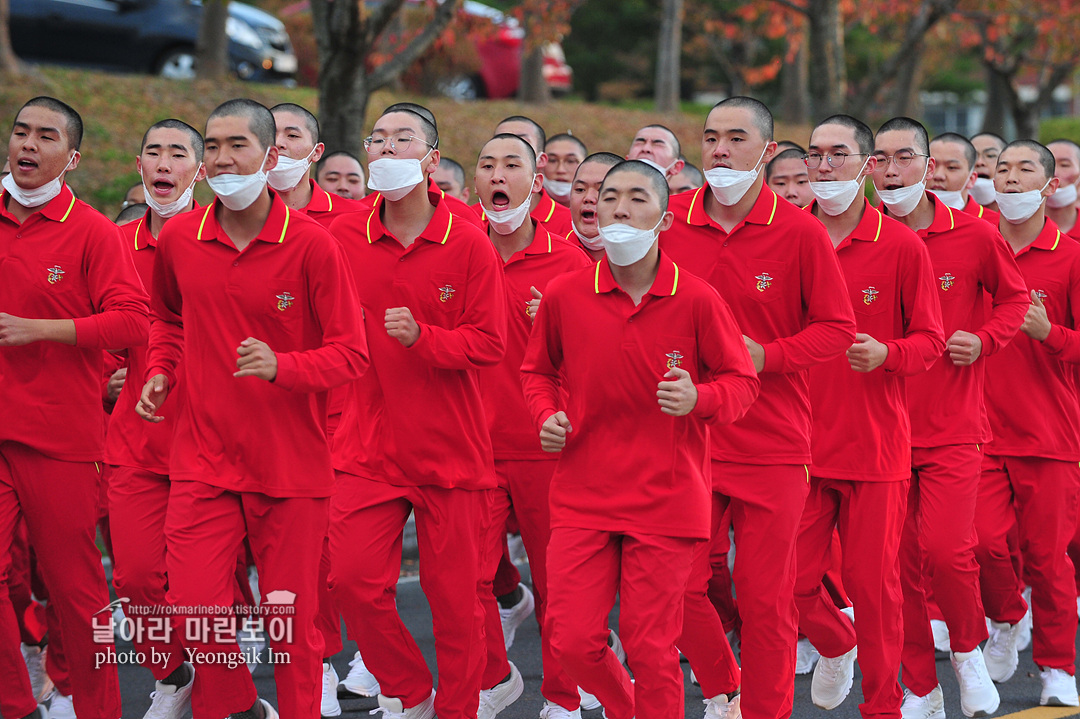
238 192
626 245
288 172
903 200
39 195
836 196
593 243
507 221
663 170
558 190
1062 197
395 177
1017 207
728 186
175 207
950 198
983 191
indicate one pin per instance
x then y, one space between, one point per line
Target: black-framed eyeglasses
401 142
900 159
835 159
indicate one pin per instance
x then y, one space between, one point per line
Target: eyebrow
40 129
231 138
394 132
174 146
902 149
639 190
841 146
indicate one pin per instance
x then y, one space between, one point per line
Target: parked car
151 36
500 60
487 66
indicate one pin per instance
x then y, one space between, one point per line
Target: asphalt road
1018 694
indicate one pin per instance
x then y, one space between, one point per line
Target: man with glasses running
413 437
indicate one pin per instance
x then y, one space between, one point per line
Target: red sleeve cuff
286 370
169 376
708 401
892 360
988 346
87 332
1055 341
542 416
774 357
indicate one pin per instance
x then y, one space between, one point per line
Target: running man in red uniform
506 177
657 146
554 216
1061 207
983 300
564 152
862 445
1030 478
649 351
987 148
257 301
414 437
584 196
954 175
69 292
170 162
774 266
341 173
786 176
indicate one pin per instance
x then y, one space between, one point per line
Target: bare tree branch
388 71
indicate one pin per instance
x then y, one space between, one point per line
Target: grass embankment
116 109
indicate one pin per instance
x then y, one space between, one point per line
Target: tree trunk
794 78
997 100
905 94
533 88
344 41
828 82
212 47
9 64
668 56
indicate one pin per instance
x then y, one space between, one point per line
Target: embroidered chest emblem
869 295
1038 293
284 301
947 281
446 293
674 359
764 281
55 274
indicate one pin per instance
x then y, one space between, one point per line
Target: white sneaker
833 677
693 678
517 548
169 701
1000 654
515 615
720 707
931 706
616 646
268 711
329 706
590 702
557 711
392 708
252 643
1059 688
806 656
940 630
40 683
978 695
61 707
1023 639
500 696
359 681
